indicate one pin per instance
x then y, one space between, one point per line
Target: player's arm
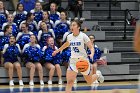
89 45
65 45
137 37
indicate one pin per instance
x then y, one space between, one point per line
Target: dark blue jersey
23 39
33 28
60 29
54 17
49 58
3 19
38 16
11 53
97 54
19 17
4 40
32 53
15 30
29 4
44 37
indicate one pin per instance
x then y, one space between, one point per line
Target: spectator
11 22
23 37
50 24
5 36
76 7
11 52
29 4
32 54
52 62
44 34
53 13
32 24
19 14
61 27
47 4
3 14
37 11
58 3
4 39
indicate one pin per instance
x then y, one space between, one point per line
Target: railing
127 13
109 15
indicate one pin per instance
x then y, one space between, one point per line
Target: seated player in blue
50 24
3 14
37 11
97 55
44 33
19 14
53 13
24 36
52 62
61 27
14 26
33 54
11 53
32 24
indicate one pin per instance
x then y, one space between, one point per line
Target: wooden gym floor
106 87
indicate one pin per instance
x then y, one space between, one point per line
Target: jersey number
76 49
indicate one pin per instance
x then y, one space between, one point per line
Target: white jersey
77 44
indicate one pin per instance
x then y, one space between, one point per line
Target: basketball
82 65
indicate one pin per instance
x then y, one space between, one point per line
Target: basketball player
137 37
76 42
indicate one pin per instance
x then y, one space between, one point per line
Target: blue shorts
56 61
8 60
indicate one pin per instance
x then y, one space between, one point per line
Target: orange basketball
82 65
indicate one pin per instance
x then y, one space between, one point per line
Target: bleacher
123 62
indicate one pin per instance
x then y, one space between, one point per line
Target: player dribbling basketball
77 41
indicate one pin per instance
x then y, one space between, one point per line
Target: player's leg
98 72
90 78
100 76
71 76
94 67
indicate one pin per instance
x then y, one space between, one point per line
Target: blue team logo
31 27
